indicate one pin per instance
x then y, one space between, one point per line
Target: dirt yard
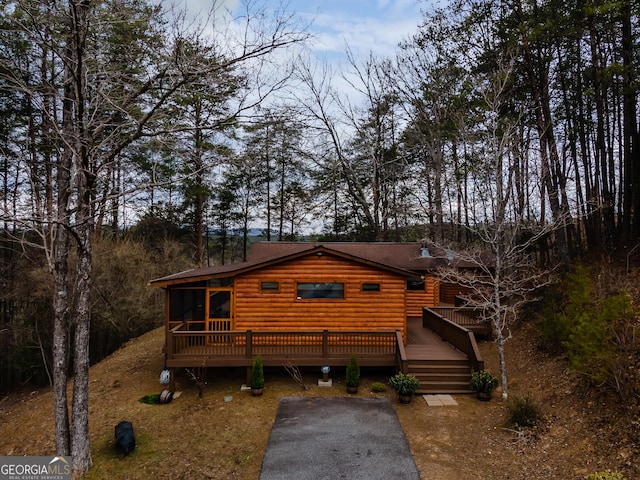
223 435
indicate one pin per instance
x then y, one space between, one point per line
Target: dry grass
212 438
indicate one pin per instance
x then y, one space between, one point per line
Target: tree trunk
538 75
283 180
61 331
499 321
606 195
80 444
500 340
631 160
198 223
80 440
267 162
83 186
60 258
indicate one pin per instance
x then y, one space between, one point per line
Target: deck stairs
440 367
441 376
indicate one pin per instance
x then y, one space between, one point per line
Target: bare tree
360 141
501 273
99 112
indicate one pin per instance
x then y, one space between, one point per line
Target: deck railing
457 335
186 348
471 318
402 359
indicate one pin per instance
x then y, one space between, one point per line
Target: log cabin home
315 304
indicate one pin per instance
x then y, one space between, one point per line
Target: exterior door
220 313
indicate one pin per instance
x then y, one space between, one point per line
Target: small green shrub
151 398
552 326
257 373
404 384
353 372
583 325
378 387
522 412
608 475
591 345
483 381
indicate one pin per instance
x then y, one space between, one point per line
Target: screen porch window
187 305
320 290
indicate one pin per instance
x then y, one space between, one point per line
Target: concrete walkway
318 438
440 400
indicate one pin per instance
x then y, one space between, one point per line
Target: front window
269 286
320 290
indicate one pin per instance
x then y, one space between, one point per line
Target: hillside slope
219 437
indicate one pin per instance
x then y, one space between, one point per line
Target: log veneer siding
416 299
281 310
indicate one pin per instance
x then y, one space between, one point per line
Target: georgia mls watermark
35 468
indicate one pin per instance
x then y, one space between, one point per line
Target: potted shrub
257 377
352 375
405 385
483 383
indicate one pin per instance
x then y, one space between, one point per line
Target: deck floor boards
424 344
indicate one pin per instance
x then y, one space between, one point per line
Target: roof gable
272 253
406 256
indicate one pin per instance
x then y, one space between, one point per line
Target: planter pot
352 390
404 398
484 396
256 392
165 396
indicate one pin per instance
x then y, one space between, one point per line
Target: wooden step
440 376
456 369
444 384
432 390
445 361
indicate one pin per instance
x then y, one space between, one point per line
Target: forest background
134 144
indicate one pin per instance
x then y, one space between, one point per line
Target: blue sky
365 25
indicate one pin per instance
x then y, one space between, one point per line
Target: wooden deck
186 348
425 344
438 365
442 361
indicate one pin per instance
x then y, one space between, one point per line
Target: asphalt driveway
316 438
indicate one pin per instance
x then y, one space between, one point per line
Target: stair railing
461 338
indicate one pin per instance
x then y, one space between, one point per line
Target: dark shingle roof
405 258
399 255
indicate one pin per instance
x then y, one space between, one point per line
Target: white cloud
362 34
202 8
363 25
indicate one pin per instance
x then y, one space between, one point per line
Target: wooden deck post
249 339
403 361
168 353
172 380
325 343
